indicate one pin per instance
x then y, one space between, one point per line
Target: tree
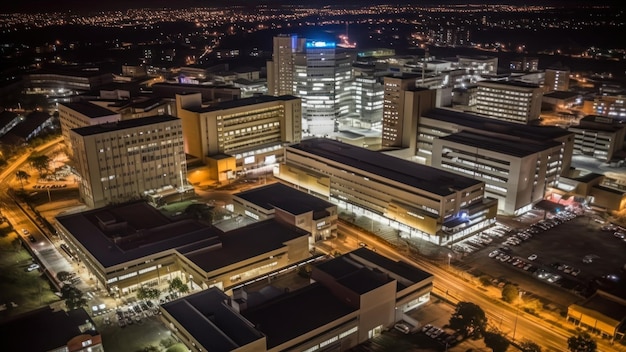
22 176
178 285
148 293
470 318
510 293
63 276
485 280
40 163
73 297
581 343
529 346
496 341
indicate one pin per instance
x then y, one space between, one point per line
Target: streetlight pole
517 313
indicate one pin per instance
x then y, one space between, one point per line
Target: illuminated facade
510 101
420 201
351 299
81 114
132 245
127 160
323 75
252 130
403 104
598 136
281 69
556 79
516 174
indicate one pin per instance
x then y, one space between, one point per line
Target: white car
532 257
32 267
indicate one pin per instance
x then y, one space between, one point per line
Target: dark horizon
34 6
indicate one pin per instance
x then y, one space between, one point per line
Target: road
457 286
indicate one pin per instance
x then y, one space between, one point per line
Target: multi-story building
598 136
312 214
281 69
81 114
524 64
509 101
439 122
516 174
556 79
368 101
610 105
210 93
402 106
351 299
420 201
132 245
480 65
251 131
126 160
323 74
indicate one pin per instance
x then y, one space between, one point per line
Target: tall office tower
250 132
368 96
81 114
510 101
323 78
280 70
402 105
556 79
127 160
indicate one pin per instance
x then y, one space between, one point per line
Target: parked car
403 328
532 257
32 267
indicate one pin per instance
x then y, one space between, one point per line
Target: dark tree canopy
510 293
582 343
470 318
496 341
529 346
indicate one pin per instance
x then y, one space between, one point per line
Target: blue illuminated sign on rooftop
321 45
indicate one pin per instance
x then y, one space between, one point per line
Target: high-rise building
81 114
368 95
280 70
556 79
402 105
126 160
323 74
524 64
509 101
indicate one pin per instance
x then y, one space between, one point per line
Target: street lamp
519 298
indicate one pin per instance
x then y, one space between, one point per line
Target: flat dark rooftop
278 195
402 269
245 243
509 83
587 177
422 177
604 305
210 321
297 313
348 270
231 104
54 329
6 117
561 95
33 121
122 125
88 109
499 145
142 231
528 132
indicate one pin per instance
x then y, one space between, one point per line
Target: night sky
7 6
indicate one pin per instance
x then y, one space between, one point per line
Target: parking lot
557 258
